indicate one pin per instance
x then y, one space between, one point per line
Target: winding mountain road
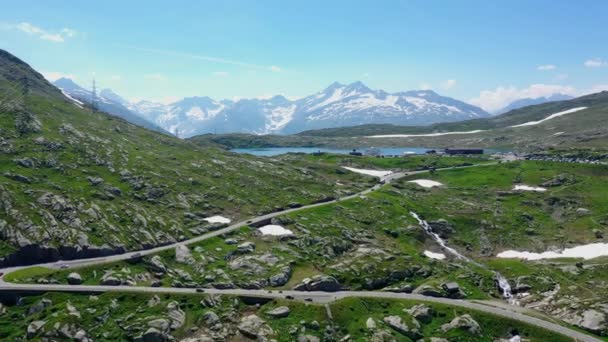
315 296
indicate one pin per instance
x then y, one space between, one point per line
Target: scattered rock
319 283
246 247
177 315
279 312
156 264
421 313
74 279
308 338
464 322
183 255
583 211
39 306
254 327
211 318
34 327
370 323
110 281
593 321
409 330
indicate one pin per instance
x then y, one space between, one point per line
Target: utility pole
177 132
94 97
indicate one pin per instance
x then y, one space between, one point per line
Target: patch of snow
422 135
375 173
76 102
552 116
586 252
279 117
196 113
217 219
432 255
274 230
529 188
336 96
426 183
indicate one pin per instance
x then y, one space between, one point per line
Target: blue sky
486 52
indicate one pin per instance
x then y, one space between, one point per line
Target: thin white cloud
221 73
424 86
32 30
561 77
448 84
220 60
595 63
546 67
155 77
494 100
55 75
115 77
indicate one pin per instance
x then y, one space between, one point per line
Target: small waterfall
501 281
437 238
503 285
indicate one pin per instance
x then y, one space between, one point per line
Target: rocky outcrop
410 329
29 254
177 315
74 279
319 283
183 255
34 327
279 312
281 278
421 313
464 322
254 327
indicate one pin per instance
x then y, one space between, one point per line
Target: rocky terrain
78 184
156 318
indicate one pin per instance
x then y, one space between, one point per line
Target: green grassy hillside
74 182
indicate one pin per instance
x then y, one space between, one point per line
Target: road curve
125 256
316 297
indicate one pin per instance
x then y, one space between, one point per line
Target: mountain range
520 103
337 105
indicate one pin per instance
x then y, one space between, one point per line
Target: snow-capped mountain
336 106
534 101
107 101
355 104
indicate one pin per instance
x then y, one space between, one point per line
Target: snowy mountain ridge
336 106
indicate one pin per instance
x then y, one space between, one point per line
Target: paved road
125 256
316 297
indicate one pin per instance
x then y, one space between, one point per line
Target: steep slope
80 184
108 102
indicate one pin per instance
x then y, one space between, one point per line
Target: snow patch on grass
552 116
422 135
433 255
273 229
529 188
375 173
590 251
217 219
426 183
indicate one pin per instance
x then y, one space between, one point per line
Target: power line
94 97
